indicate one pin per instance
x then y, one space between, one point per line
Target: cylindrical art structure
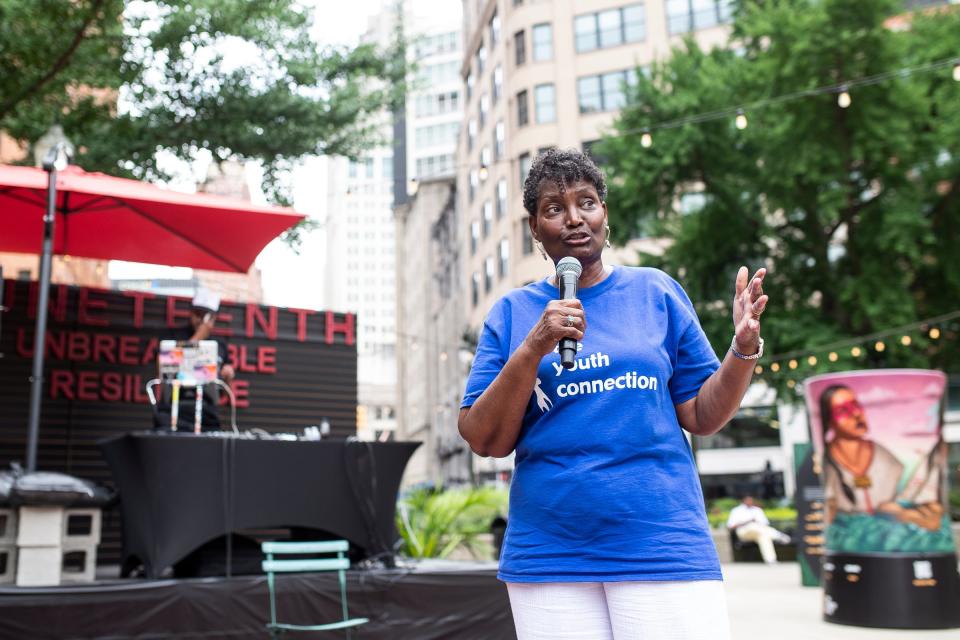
889 559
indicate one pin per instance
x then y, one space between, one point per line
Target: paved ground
768 602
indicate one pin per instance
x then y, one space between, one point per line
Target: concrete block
40 526
8 526
79 563
81 527
8 563
39 566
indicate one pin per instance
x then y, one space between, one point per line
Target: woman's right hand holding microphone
561 319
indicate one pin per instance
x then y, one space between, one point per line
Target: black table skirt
180 491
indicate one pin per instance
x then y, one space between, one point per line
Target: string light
842 91
856 351
775 367
833 357
646 140
792 364
905 341
741 120
844 100
758 370
879 346
934 333
812 361
791 383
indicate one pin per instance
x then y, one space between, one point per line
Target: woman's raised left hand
749 303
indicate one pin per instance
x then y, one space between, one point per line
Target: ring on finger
570 321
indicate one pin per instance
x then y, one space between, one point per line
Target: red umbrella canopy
100 216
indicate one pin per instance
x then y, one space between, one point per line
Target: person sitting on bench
749 523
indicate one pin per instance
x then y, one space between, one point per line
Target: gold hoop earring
607 239
542 250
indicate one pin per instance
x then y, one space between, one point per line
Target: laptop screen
191 363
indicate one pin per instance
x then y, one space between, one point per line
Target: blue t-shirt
605 487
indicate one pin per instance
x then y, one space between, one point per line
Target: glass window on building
474 236
527 237
523 115
474 183
481 59
497 81
609 28
352 169
605 92
486 159
589 95
520 47
475 288
499 140
488 273
689 15
469 83
542 35
504 254
524 165
484 108
368 166
471 133
387 167
487 217
494 30
544 98
501 198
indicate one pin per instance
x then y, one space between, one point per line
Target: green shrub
432 523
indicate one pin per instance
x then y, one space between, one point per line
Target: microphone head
568 264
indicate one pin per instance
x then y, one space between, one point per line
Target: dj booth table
179 491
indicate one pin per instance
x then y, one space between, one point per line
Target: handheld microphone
568 275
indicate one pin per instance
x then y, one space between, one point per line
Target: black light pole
55 160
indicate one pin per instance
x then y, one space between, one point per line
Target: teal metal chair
340 564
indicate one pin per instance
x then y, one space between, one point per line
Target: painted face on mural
846 415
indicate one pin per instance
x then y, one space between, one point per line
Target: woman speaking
607 536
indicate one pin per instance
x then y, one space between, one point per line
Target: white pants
763 535
675 610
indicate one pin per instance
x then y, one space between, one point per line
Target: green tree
853 209
241 79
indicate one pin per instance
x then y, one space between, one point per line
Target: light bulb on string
646 140
741 120
812 361
792 364
775 367
844 100
906 340
833 357
758 370
956 71
879 346
791 383
856 351
934 333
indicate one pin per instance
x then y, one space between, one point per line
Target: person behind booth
203 314
607 536
749 523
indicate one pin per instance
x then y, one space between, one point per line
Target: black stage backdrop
294 368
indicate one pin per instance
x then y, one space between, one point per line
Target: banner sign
294 368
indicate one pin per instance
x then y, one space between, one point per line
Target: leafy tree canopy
241 79
854 211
